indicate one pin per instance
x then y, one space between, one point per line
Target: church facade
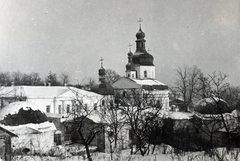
140 76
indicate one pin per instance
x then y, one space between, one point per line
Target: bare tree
35 79
64 78
186 84
5 79
111 76
218 83
79 120
142 114
52 79
90 83
17 77
232 97
114 121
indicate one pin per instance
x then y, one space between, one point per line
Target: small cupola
102 72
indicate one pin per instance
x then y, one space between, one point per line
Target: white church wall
150 70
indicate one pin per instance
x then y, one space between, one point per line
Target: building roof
212 105
131 83
180 115
13 108
7 131
103 88
31 128
43 91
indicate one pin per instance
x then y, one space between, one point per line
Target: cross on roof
101 61
129 45
148 50
140 20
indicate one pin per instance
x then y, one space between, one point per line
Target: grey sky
72 35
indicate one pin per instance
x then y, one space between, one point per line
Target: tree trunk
88 152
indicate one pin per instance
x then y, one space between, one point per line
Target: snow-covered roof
180 115
212 105
148 84
94 116
31 128
42 91
14 107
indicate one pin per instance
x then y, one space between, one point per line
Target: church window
145 74
48 108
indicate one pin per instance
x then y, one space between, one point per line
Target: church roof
103 89
130 83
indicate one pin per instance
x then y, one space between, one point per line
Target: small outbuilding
5 144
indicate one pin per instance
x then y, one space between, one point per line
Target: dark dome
143 59
103 89
130 54
140 34
101 71
129 64
212 105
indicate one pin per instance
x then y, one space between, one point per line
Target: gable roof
8 132
31 128
131 83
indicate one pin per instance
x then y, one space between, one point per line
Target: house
35 133
37 138
5 144
54 101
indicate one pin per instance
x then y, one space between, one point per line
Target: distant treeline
33 79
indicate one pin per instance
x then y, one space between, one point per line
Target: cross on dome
101 62
129 45
148 50
140 20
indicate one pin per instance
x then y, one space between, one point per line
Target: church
140 76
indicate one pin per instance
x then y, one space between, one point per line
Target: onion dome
141 56
212 105
146 59
129 64
140 34
143 59
101 71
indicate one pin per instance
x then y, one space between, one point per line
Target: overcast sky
72 35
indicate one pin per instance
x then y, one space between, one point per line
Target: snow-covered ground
124 155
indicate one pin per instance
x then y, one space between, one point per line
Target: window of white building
59 109
48 108
68 108
145 73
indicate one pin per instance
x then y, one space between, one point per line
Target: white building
54 101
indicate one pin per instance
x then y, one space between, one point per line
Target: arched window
145 73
